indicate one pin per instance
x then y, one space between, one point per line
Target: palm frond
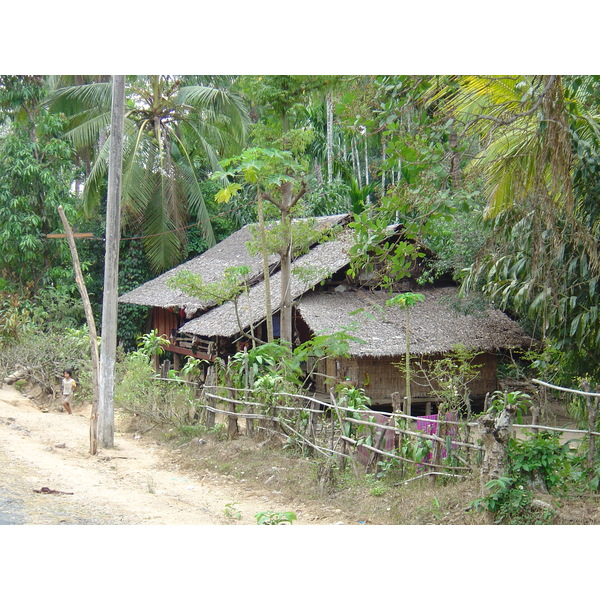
217 101
85 129
197 204
138 185
94 184
79 98
161 242
217 135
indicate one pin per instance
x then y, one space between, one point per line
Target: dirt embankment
136 482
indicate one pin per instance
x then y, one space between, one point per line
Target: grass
264 464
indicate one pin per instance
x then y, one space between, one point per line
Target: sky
312 37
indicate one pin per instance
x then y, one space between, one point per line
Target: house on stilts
327 301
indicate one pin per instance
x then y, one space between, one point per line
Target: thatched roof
435 325
307 271
210 265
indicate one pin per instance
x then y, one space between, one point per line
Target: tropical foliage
497 175
173 126
37 172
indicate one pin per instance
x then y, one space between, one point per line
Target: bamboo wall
379 377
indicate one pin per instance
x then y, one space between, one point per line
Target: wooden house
325 301
436 326
171 309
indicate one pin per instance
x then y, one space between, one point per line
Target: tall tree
111 268
278 180
37 171
172 127
538 139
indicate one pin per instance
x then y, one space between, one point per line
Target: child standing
69 386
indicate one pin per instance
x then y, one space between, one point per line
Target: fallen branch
47 490
425 475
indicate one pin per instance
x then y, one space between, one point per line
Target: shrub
540 457
45 356
160 402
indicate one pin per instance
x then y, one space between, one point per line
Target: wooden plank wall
165 321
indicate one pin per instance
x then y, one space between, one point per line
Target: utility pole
108 347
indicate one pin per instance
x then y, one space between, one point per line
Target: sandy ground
136 482
139 483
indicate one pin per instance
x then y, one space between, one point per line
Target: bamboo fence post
592 411
467 437
209 415
535 415
332 437
341 422
232 422
311 427
249 421
436 455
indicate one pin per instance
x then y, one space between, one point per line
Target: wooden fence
419 446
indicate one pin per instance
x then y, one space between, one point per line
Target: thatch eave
319 263
211 265
435 325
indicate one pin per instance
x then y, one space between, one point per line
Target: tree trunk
329 104
383 153
287 203
249 422
265 258
111 269
286 297
495 433
367 166
286 266
356 163
407 364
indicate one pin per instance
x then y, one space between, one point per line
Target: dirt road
136 482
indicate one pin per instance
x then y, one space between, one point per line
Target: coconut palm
173 126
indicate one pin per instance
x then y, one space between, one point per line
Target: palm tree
540 147
173 127
520 126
